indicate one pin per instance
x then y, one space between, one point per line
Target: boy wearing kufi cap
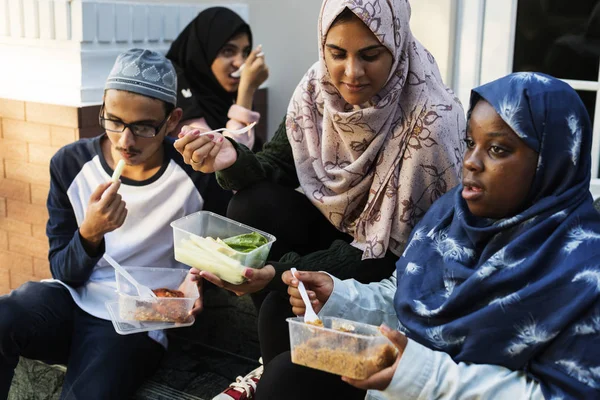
66 320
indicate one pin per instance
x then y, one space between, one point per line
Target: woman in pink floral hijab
401 146
371 139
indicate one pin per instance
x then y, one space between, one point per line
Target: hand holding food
382 379
226 253
208 254
176 296
228 263
106 212
225 259
205 153
342 347
194 276
319 287
255 71
256 280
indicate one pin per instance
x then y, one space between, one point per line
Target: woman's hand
319 287
198 304
382 379
256 280
205 153
253 75
255 72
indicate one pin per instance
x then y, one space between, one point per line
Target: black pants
299 227
40 321
284 380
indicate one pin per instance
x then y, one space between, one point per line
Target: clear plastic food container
173 310
227 264
128 327
341 347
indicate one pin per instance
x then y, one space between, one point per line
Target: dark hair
344 16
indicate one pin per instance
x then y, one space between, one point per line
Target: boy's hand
106 212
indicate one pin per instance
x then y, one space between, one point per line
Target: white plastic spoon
143 291
309 316
233 131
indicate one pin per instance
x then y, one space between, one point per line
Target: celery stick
118 171
231 272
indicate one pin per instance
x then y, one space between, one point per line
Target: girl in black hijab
214 45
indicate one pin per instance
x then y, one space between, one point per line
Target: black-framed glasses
141 130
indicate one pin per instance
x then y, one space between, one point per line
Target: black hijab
193 53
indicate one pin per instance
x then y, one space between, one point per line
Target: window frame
485 34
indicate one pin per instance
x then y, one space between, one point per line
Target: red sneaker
243 388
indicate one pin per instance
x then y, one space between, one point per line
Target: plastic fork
309 316
143 291
233 131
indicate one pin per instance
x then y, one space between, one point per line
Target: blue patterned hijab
524 291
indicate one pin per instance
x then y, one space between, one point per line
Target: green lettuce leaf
247 242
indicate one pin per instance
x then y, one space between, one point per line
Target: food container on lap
341 347
204 224
128 327
162 309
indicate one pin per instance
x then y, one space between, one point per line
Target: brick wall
30 134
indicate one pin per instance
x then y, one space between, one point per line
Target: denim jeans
41 321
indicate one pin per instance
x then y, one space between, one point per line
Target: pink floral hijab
374 170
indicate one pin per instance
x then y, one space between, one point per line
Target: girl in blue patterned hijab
505 268
498 289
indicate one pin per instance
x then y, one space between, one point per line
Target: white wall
433 24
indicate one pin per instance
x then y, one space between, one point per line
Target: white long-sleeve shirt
424 373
